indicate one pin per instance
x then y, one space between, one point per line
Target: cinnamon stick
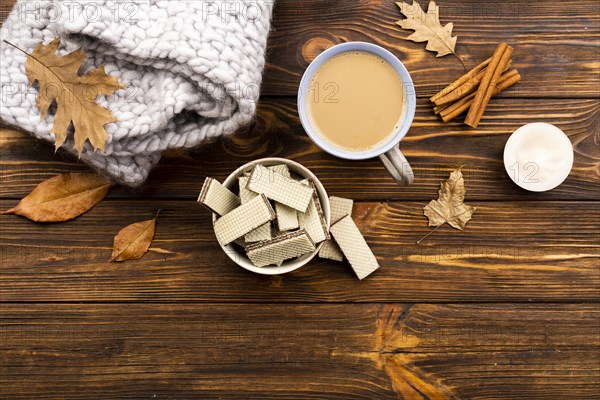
465 89
461 80
443 110
487 86
506 80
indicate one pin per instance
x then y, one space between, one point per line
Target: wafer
287 217
281 169
243 219
354 247
279 188
245 194
217 198
284 247
263 232
340 207
313 220
259 234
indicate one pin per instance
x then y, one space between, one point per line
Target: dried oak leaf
450 206
427 27
133 241
75 95
63 197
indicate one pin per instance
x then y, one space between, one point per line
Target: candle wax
538 156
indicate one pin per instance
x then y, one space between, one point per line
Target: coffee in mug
355 101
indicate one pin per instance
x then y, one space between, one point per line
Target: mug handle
397 165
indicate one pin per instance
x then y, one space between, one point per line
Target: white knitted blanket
193 70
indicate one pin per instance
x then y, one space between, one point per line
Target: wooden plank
433 148
564 32
344 351
509 251
5 7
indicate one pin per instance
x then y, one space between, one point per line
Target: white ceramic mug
389 152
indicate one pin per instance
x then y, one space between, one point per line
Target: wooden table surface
509 308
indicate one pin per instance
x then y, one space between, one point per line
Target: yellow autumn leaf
63 197
75 95
450 206
133 241
427 27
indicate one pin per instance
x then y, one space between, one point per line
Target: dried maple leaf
427 27
74 95
63 197
133 241
450 206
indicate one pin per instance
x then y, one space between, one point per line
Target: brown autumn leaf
74 95
450 206
427 27
133 241
63 197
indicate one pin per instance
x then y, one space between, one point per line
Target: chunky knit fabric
193 71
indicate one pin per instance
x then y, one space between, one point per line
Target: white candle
538 156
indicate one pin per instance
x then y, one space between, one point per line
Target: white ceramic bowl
237 255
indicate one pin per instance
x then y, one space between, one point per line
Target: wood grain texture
555 42
509 251
433 148
507 309
345 351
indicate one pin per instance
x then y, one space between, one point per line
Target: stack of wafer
275 217
347 242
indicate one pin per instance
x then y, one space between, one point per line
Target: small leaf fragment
63 197
427 27
450 206
133 241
